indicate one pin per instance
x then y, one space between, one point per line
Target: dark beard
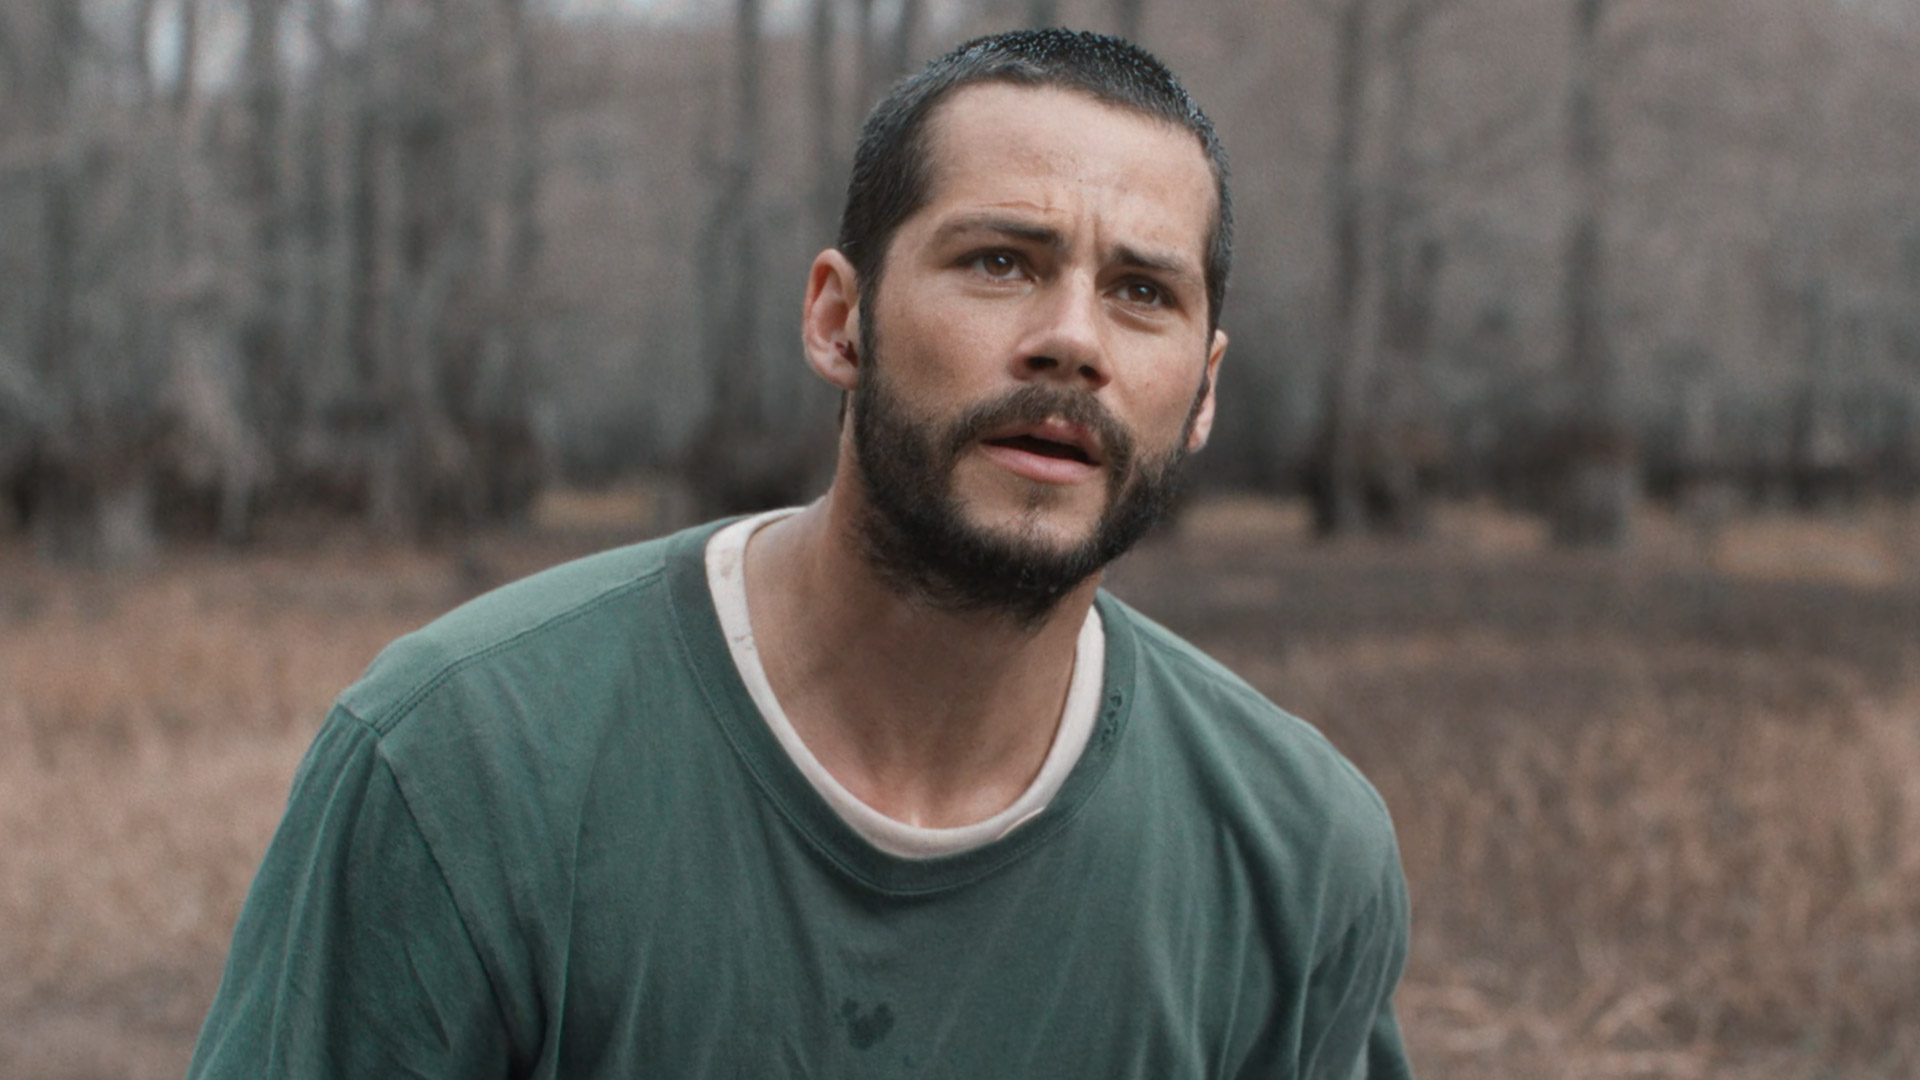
921 542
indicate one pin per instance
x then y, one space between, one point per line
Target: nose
1065 340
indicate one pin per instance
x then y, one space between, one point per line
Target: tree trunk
729 458
263 336
1818 447
313 352
90 493
822 66
123 520
1398 438
55 125
377 429
1336 466
507 455
363 307
142 51
419 431
325 224
431 375
184 83
906 29
524 240
178 140
55 506
737 388
1407 446
1597 490
738 460
867 65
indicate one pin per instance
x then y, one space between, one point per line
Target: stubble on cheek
923 541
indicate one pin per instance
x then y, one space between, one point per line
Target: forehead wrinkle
945 161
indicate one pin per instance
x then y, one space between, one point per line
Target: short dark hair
890 173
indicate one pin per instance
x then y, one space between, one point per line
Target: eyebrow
1004 226
1170 265
1013 228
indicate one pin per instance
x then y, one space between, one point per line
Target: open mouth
1033 444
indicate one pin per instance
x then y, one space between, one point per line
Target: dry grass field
1661 813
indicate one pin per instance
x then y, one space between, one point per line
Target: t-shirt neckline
725 557
732 706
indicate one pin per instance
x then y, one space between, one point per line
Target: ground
1660 812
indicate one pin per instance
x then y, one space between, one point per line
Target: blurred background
1565 470
410 261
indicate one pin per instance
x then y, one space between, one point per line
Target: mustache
1035 403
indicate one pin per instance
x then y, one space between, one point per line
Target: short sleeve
1355 1033
1386 1054
350 958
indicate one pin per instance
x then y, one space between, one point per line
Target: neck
933 717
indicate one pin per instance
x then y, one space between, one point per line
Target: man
883 787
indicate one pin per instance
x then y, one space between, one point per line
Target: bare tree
141 51
507 454
264 330
1401 444
884 53
55 122
188 36
906 29
868 64
1596 492
55 498
823 94
437 426
308 266
728 460
315 345
736 382
1337 480
1376 440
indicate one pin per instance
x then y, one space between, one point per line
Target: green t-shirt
550 836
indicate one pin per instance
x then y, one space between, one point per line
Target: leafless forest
1565 472
407 261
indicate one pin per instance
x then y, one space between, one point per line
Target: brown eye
1143 294
997 264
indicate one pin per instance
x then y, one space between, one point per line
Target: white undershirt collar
726 555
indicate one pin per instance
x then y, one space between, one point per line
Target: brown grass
151 725
1661 815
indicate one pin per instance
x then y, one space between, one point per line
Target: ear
1203 418
830 320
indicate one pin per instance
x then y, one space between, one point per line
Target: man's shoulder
549 622
1171 657
1169 664
1264 764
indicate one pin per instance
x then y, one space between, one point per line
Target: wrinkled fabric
549 836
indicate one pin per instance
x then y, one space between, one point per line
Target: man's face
1037 358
